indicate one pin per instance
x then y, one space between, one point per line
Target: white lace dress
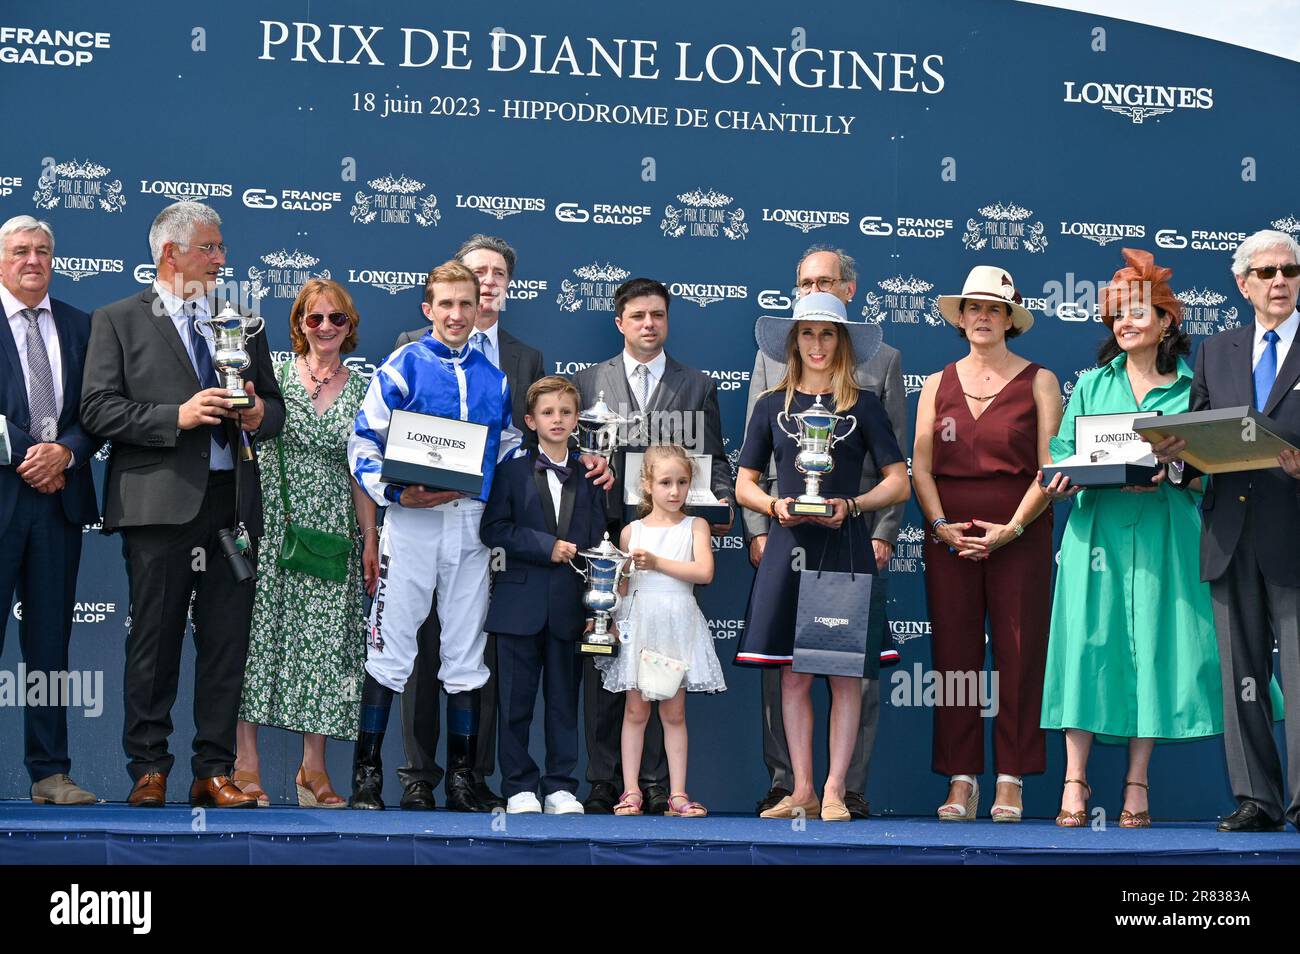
660 613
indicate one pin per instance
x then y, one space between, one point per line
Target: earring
1164 334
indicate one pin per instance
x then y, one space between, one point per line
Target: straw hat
772 331
988 283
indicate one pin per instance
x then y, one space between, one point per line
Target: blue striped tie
1266 370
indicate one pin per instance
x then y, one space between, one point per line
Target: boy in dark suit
540 513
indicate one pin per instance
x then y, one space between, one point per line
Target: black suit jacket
531 591
1224 378
78 493
138 373
522 366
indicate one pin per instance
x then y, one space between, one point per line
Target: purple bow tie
545 463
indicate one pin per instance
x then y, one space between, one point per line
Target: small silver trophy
229 332
606 564
598 429
815 433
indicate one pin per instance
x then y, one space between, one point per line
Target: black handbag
314 552
840 621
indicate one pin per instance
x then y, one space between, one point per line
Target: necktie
642 375
1266 370
40 382
203 366
544 463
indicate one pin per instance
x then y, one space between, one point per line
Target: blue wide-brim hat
772 331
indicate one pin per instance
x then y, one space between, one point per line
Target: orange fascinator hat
1140 280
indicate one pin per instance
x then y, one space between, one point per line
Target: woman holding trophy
820 348
982 430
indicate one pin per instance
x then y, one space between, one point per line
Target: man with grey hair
46 490
1250 525
178 487
827 269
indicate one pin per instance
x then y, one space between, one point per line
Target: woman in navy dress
820 348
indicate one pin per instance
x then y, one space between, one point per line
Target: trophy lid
817 410
600 413
604 551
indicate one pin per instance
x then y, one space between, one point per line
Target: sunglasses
337 318
1267 272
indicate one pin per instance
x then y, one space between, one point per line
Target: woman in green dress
1132 654
307 648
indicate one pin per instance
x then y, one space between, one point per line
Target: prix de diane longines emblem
78 185
396 201
704 215
284 276
1202 314
1003 229
594 288
903 302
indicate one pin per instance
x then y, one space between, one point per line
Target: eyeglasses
821 284
211 249
337 318
1267 272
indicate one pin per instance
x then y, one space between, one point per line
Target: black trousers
166 567
39 560
603 718
523 664
422 702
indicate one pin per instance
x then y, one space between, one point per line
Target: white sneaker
524 803
563 803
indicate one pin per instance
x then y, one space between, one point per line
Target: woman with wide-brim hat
820 348
983 427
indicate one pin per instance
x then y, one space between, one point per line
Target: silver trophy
599 427
606 565
815 433
229 332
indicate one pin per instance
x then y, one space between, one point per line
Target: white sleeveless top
671 543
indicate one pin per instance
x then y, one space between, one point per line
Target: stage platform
114 834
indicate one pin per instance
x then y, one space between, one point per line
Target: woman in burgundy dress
982 430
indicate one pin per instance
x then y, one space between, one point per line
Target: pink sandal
689 809
629 803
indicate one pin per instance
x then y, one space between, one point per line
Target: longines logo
1103 233
602 213
293 200
903 302
1203 314
525 289
285 274
78 185
905 226
185 191
571 367
704 294
387 280
774 300
594 288
903 630
1139 103
1201 240
500 206
79 268
22 45
909 552
913 383
396 201
805 220
704 215
146 272
1004 228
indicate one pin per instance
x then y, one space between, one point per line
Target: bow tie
544 463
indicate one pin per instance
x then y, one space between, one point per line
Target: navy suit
42 532
537 614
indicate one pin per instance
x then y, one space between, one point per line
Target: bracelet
369 530
1019 529
854 509
771 509
934 529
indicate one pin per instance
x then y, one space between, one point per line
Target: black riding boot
367 770
462 750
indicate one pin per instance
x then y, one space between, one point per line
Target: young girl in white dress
671 555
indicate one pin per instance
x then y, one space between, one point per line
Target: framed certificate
440 453
1224 439
1108 452
699 496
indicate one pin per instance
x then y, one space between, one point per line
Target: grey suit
420 703
882 376
682 391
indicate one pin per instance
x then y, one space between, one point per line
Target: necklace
318 381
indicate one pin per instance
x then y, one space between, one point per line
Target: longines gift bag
840 622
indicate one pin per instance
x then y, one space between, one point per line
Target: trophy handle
781 420
572 566
853 425
249 330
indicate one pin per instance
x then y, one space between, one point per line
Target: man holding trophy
184 490
434 424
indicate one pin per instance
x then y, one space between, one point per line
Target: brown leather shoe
150 791
219 792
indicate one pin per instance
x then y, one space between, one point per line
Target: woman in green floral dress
307 648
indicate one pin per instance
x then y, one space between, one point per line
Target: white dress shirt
655 366
1285 334
219 458
49 334
553 482
492 351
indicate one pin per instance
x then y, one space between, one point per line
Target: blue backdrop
704 144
